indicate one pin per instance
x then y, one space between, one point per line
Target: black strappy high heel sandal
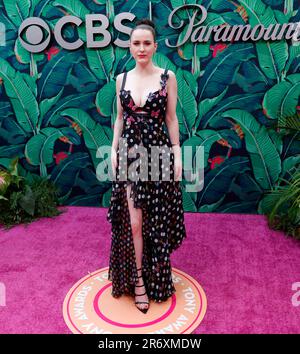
141 302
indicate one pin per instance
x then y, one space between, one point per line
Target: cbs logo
35 34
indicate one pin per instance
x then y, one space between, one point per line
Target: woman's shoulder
160 69
120 76
119 79
170 73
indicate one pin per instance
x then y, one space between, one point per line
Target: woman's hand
114 161
178 168
177 164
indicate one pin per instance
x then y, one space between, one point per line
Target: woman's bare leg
136 221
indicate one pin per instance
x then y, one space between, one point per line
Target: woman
146 215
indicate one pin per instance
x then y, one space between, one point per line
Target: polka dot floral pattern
163 226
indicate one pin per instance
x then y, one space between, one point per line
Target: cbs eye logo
34 34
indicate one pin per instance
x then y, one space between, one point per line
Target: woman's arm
172 124
171 117
118 126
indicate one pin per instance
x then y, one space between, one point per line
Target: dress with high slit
160 199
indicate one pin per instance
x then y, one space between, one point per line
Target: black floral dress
163 226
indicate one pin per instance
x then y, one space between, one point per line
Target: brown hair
147 24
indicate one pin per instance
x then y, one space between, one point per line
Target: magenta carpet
246 270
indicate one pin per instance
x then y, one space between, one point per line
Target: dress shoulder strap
124 80
164 78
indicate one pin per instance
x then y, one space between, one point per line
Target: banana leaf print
58 107
289 166
22 99
272 56
52 116
196 51
39 149
223 175
100 62
247 102
251 78
222 6
105 99
282 99
246 188
55 74
18 10
73 7
5 110
294 54
220 72
265 158
94 135
187 105
202 139
12 133
65 174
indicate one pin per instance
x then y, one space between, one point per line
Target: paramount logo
226 33
32 38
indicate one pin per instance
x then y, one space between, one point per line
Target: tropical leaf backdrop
58 107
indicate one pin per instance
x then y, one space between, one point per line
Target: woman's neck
144 70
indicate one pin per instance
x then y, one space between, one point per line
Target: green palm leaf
105 99
17 10
272 56
195 51
51 117
290 165
55 74
39 149
74 7
188 203
65 175
282 99
25 57
209 208
221 70
263 153
34 3
186 109
101 61
222 175
48 103
202 139
249 101
93 133
294 52
289 122
22 99
207 104
289 6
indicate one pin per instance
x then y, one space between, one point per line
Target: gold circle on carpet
90 308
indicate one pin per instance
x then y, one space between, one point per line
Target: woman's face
142 45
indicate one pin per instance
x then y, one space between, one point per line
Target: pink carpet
246 270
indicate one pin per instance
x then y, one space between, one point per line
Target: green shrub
282 203
23 200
